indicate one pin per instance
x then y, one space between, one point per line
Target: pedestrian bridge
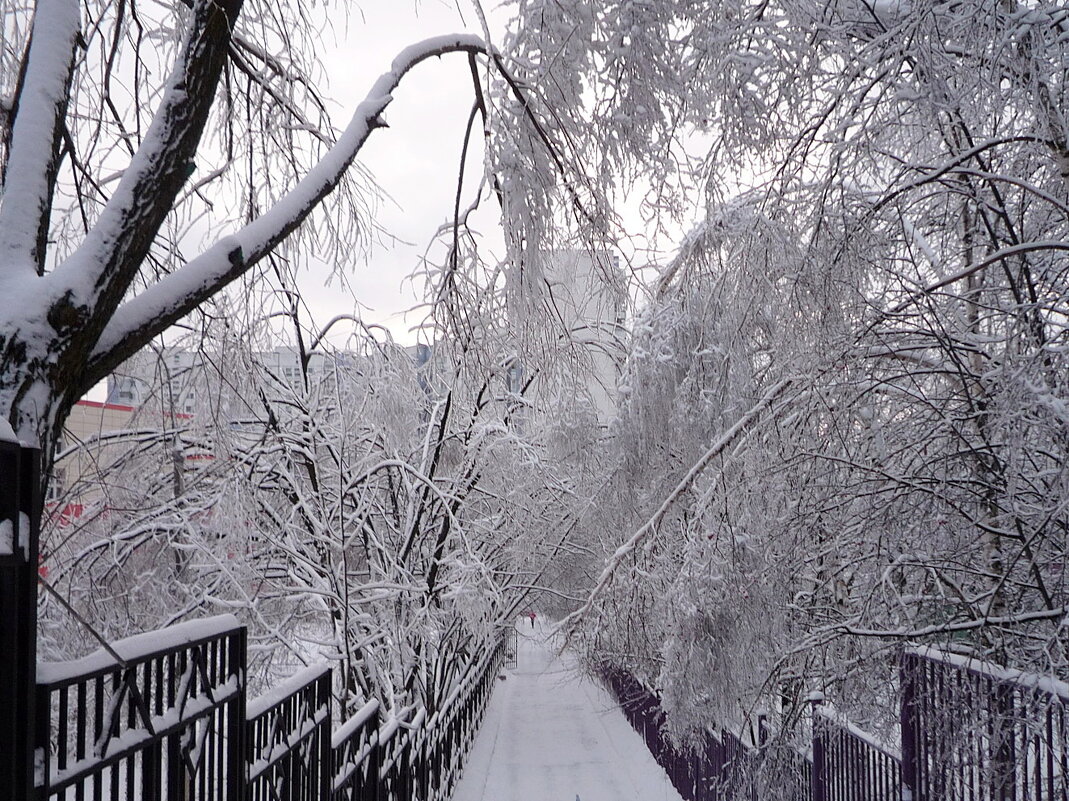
165 715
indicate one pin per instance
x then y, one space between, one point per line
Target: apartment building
586 299
96 437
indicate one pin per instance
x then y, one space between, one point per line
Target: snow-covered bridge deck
552 735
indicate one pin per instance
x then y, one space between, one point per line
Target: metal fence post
907 711
237 770
325 698
1004 746
20 514
819 776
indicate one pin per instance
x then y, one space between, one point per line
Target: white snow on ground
550 734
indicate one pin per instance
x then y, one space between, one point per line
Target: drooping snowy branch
609 572
173 296
102 268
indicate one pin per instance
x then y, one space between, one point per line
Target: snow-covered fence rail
414 756
164 715
356 757
287 735
399 768
160 715
451 730
974 730
849 764
970 731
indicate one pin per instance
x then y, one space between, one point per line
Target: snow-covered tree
844 416
844 421
382 513
123 126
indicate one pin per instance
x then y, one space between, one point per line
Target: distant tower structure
588 293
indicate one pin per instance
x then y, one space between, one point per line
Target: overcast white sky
415 160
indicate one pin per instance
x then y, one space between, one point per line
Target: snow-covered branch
569 623
39 111
101 270
175 295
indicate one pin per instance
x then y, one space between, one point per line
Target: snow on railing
968 730
849 763
1020 678
413 754
138 648
106 722
287 734
7 537
164 714
972 729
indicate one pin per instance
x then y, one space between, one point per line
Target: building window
56 484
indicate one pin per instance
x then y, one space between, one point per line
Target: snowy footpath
551 734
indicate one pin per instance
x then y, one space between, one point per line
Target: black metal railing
287 739
164 716
969 731
414 756
849 764
975 730
719 766
20 503
355 756
451 730
160 717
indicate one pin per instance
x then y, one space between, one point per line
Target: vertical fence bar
819 777
1003 745
908 721
42 730
325 698
236 665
